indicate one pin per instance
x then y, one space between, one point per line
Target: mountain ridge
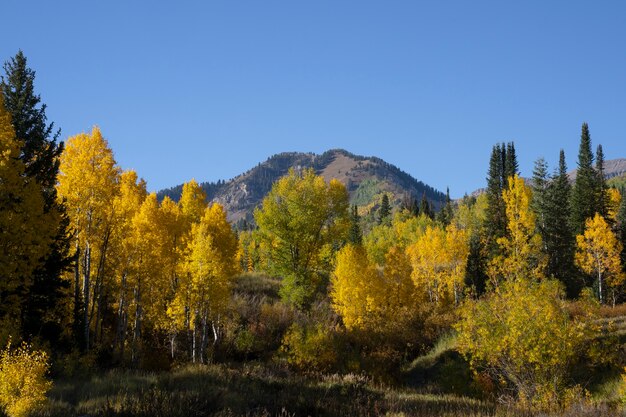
366 179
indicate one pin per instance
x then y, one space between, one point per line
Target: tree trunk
86 285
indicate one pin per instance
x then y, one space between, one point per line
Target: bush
310 348
23 382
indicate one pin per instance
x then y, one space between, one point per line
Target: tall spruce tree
584 193
557 236
502 165
446 213
355 235
40 155
602 200
540 191
425 207
385 209
621 227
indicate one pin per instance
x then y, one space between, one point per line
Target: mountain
366 179
612 168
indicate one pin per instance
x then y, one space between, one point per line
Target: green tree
40 154
602 200
584 194
557 235
302 221
425 207
385 209
446 213
355 235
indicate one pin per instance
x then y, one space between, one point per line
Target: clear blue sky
208 89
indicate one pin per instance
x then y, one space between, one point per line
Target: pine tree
40 154
355 235
584 194
511 167
446 213
385 209
425 207
557 235
495 223
540 191
602 200
621 228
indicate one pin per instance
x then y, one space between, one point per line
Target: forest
114 302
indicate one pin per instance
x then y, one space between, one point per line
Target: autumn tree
521 250
355 235
211 263
524 338
25 229
439 259
88 181
598 254
302 220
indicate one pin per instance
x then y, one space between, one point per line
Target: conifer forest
324 301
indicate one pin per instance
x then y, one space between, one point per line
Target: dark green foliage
410 204
40 154
425 207
621 227
502 165
384 210
446 213
475 276
602 202
584 194
555 231
355 235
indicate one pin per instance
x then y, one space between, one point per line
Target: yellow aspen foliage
614 201
302 220
356 288
211 262
23 381
598 254
88 183
398 288
438 259
403 231
26 232
522 335
192 202
522 256
471 214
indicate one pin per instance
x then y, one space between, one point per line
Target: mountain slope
366 179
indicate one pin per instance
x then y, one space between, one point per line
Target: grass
255 389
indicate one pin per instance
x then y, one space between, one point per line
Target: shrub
23 382
310 348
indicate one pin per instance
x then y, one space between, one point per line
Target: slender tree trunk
77 297
138 314
86 285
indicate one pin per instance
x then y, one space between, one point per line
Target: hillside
366 179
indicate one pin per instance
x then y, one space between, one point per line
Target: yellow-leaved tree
88 183
522 335
302 220
438 259
522 256
598 254
356 288
23 380
211 262
25 232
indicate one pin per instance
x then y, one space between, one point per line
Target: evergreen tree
425 207
584 193
355 235
40 154
385 209
410 205
602 201
495 223
540 191
511 167
621 227
557 235
446 213
475 275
